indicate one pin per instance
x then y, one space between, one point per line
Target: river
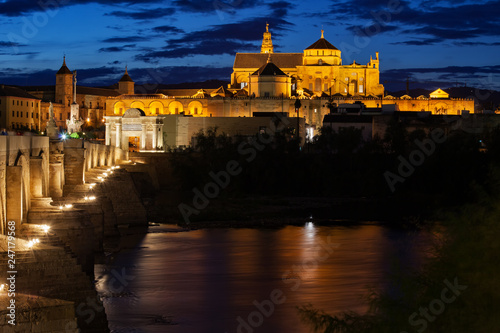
248 280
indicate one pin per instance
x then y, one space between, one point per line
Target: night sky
436 43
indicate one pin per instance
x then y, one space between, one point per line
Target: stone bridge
61 184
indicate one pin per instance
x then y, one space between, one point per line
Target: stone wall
24 173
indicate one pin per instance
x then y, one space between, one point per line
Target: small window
21 103
69 116
90 105
320 62
157 110
31 104
60 101
47 115
17 103
195 110
361 89
37 116
176 110
31 115
17 114
60 116
13 113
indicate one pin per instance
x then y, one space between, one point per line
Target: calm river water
210 280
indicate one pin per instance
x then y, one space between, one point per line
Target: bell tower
126 84
267 43
64 85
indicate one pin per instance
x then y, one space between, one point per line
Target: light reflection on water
202 281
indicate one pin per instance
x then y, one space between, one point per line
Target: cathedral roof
64 69
126 77
322 44
256 60
269 69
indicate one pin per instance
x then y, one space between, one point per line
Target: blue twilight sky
436 43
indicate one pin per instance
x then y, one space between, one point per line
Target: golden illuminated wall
197 107
19 111
240 75
270 86
327 56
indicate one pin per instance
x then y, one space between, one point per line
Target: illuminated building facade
91 101
18 109
317 71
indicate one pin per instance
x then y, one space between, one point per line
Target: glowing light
61 207
111 172
117 167
86 198
99 177
44 227
105 174
2 286
92 198
64 136
32 242
113 167
93 184
88 120
68 205
108 170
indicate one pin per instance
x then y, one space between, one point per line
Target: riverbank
277 211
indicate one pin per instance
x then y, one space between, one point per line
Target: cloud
445 20
117 48
227 38
15 8
211 47
10 44
167 28
144 14
477 44
129 39
421 42
209 6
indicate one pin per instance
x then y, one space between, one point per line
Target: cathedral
318 71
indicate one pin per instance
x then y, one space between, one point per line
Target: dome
322 44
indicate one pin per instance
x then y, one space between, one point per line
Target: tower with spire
126 85
64 85
267 42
